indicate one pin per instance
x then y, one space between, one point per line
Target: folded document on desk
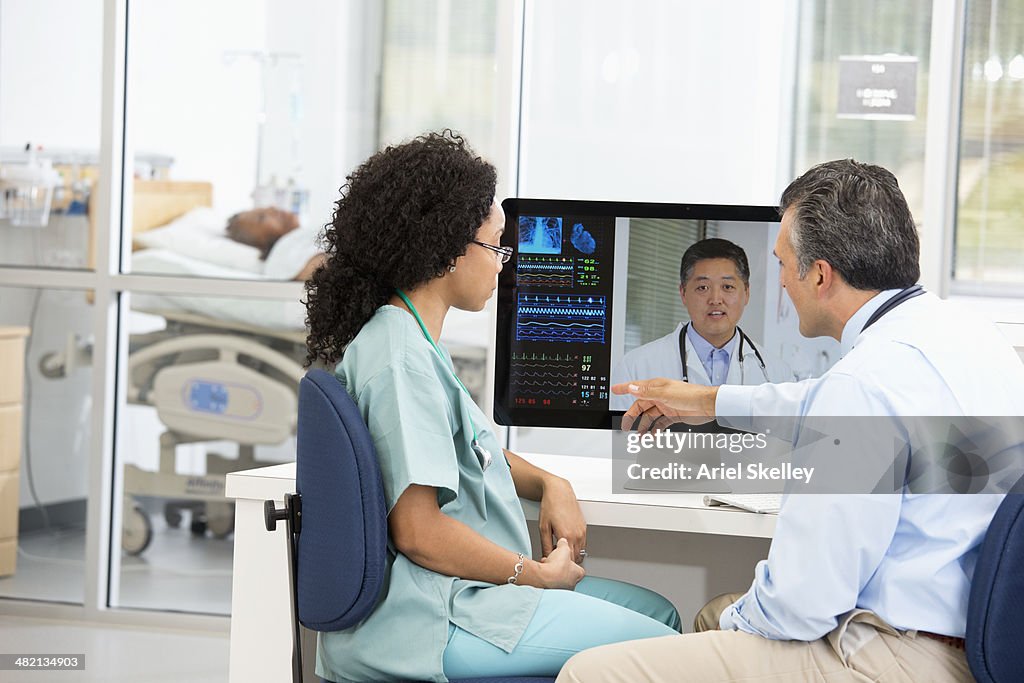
764 503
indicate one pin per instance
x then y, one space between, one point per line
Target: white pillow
290 253
200 234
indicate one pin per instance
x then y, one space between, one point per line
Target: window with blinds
656 246
438 70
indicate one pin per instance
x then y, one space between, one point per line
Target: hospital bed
208 381
218 370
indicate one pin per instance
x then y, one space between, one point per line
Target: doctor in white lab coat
714 277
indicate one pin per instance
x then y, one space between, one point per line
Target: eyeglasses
504 253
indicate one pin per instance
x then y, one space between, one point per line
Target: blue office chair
995 613
336 521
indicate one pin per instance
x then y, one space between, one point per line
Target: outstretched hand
660 398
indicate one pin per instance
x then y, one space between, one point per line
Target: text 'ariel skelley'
752 472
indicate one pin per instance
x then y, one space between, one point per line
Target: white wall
56 444
50 75
201 105
50 72
336 109
656 101
187 101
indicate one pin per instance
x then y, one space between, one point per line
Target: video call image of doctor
714 286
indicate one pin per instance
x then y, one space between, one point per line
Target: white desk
260 625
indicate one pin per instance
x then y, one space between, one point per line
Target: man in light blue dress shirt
856 587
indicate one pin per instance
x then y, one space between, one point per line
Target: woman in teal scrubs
416 233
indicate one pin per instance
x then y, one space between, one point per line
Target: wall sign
877 87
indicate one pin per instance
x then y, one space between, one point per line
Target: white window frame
1003 303
111 245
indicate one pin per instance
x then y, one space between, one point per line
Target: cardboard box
12 368
8 505
12 363
10 437
8 556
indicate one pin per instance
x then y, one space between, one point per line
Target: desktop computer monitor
590 281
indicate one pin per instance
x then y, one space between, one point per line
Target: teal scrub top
422 424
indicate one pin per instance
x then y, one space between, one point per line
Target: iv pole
264 59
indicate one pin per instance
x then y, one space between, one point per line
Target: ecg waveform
561 318
544 271
538 374
555 380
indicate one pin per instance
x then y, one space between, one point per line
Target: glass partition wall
247 122
45 439
50 100
210 388
438 70
50 111
177 210
185 200
989 242
838 36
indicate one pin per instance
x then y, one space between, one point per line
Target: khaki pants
861 648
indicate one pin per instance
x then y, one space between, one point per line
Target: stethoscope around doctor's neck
744 339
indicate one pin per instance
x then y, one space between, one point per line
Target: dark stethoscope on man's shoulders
744 339
900 297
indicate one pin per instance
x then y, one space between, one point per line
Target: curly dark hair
403 218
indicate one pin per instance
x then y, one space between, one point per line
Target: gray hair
854 217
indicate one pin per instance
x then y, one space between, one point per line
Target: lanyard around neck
426 334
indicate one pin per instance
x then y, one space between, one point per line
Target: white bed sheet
200 234
260 313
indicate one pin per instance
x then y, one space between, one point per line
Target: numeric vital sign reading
565 380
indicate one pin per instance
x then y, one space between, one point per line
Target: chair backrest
344 522
995 615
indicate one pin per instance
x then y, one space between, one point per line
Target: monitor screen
591 282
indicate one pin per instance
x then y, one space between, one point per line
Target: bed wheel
198 526
172 515
220 519
136 529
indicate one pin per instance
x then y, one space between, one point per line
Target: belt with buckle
951 641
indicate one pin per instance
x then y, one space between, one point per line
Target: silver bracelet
518 569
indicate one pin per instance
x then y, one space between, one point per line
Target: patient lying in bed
265 243
257 244
281 241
